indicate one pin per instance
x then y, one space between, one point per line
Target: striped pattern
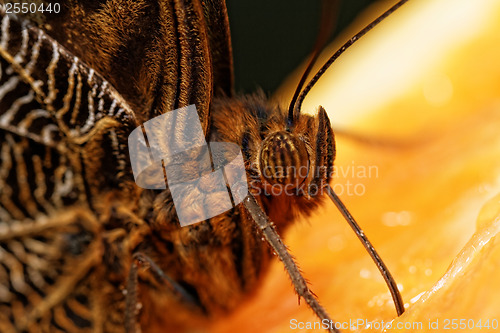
71 216
52 106
283 159
73 95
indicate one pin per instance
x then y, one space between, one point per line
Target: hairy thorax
220 260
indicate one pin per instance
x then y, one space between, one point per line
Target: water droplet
394 219
365 273
336 243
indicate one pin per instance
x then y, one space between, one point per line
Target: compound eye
284 159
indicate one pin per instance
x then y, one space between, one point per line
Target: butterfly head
299 159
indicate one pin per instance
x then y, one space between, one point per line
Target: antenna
339 52
329 9
389 280
294 111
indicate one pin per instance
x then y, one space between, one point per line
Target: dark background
271 38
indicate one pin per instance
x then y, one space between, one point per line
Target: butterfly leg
299 282
142 260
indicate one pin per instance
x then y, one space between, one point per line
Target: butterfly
83 248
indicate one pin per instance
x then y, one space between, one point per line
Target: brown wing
159 55
62 128
220 46
63 131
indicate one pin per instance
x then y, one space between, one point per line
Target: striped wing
61 132
160 55
64 163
